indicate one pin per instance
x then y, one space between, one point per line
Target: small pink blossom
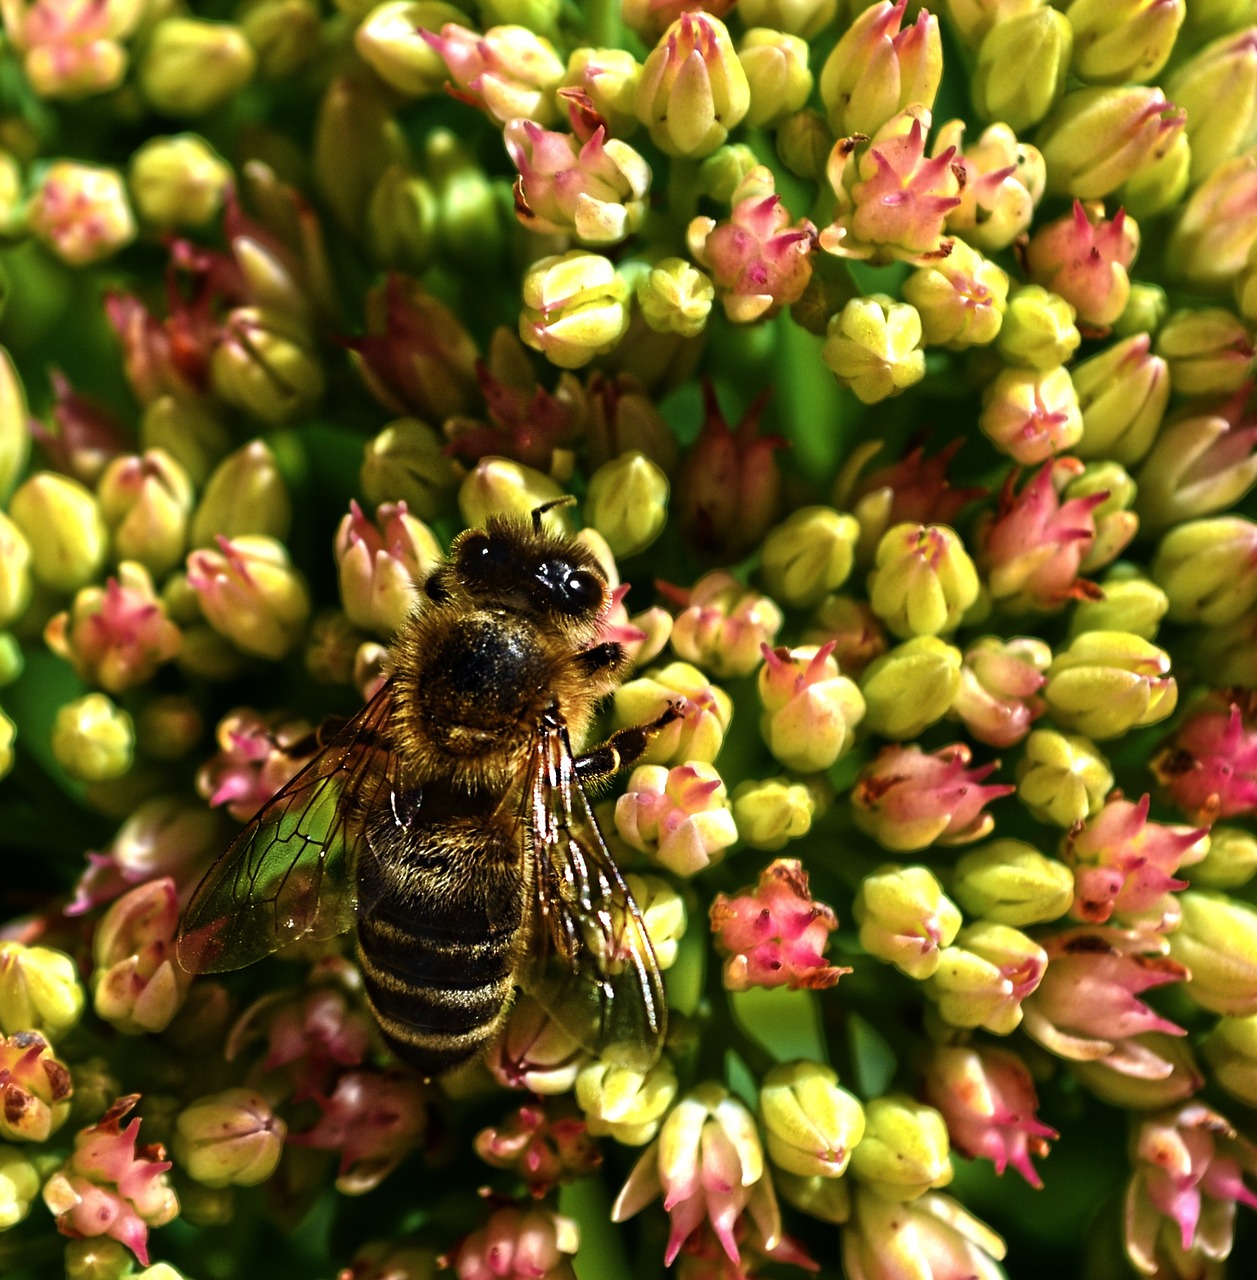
1000 681
381 564
519 1244
1124 865
852 630
534 1052
35 1088
544 1150
776 934
910 799
507 73
722 625
1209 766
1087 1006
112 1185
374 1119
256 756
1083 257
1190 1169
71 48
759 260
679 816
1031 547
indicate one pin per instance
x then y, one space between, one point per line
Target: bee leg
601 658
621 748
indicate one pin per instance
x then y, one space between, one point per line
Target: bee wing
290 873
593 967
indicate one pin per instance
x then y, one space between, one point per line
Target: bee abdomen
439 997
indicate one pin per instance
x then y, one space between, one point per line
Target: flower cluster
896 365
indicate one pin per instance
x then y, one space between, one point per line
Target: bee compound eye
583 590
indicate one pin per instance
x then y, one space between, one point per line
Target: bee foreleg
621 748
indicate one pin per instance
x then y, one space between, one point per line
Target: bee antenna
539 511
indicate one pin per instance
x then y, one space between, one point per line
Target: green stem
683 193
602 23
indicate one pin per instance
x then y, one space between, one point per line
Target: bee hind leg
622 748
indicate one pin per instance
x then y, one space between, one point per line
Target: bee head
511 565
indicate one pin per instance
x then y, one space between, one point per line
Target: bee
448 823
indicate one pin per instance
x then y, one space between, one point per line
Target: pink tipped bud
810 711
680 816
1004 180
543 1149
999 685
519 1244
35 1088
776 935
723 626
381 565
508 72
253 761
1209 767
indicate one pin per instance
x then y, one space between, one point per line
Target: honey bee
448 821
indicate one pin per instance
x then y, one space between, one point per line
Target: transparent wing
593 968
290 873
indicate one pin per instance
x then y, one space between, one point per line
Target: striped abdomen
438 945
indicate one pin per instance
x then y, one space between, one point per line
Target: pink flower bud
116 636
708 1165
729 485
1124 866
1031 547
810 711
374 1119
255 758
544 1150
381 565
757 258
137 984
988 1100
1209 766
895 204
508 72
113 1185
519 1244
1031 414
909 799
87 435
1190 1167
775 935
72 50
723 626
1003 182
1083 257
589 185
999 685
81 212
1087 1007
35 1088
534 1052
680 816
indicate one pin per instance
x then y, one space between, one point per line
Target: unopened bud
1011 882
777 74
15 572
1208 569
983 978
911 687
808 555
810 711
575 307
904 1151
1231 1051
191 66
873 346
923 580
1217 942
1107 682
1209 352
1021 68
1231 860
675 297
93 739
498 486
146 500
81 212
1038 330
406 463
178 181
1122 393
246 494
229 1139
1118 43
771 813
1129 604
390 41
39 990
265 363
1031 414
811 1125
906 919
627 502
626 1105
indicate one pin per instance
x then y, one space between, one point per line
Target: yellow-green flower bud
189 431
39 990
390 41
178 182
15 433
498 486
693 89
191 66
1118 41
627 502
1038 330
904 1152
663 913
905 918
1209 351
1115 523
401 220
1031 414
610 77
1217 87
576 306
266 364
246 494
1145 311
1230 1049
811 1125
1216 227
20 1181
1217 941
1130 604
285 35
873 346
982 979
1157 187
803 143
827 1199
250 593
100 1259
12 659
698 734
1022 64
675 297
1231 860
911 687
923 580
1098 138
1122 393
806 18
15 572
1229 653
810 711
145 501
961 298
1011 882
1209 570
8 735
777 74
406 463
771 813
63 527
93 738
229 1139
624 1104
808 555
1108 682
